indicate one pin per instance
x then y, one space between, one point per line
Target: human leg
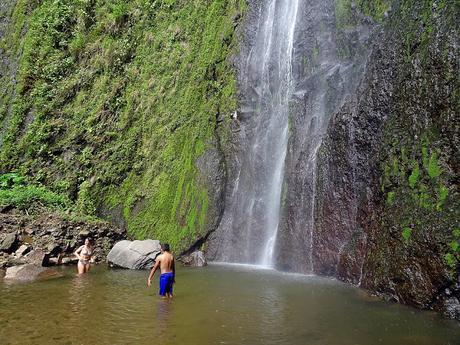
81 267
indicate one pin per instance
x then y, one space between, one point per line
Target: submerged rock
134 254
196 259
30 272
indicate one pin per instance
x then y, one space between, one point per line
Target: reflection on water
218 304
163 316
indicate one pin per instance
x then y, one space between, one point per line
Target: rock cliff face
376 203
387 207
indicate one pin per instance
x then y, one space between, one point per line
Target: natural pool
218 304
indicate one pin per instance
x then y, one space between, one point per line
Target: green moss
406 233
390 198
433 168
414 176
123 94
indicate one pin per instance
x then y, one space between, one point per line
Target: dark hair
165 247
90 240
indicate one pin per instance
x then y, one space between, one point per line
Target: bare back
166 262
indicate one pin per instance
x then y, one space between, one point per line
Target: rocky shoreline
50 239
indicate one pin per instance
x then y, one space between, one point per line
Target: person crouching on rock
84 255
167 269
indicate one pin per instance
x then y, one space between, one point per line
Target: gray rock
196 259
30 272
37 257
452 308
134 254
84 233
23 250
9 242
69 260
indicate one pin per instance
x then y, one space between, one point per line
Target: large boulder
196 259
134 254
30 272
38 257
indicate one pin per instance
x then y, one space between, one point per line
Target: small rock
69 260
84 233
452 308
52 230
53 249
23 250
9 243
196 259
30 272
26 239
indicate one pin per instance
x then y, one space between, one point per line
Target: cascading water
267 78
291 79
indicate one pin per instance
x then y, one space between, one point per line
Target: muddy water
219 304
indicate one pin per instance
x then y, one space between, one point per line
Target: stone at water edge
69 260
29 272
134 254
8 244
196 259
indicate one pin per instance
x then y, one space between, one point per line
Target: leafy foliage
118 99
15 192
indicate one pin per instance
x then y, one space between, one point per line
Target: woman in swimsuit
84 254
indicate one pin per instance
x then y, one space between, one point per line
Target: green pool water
218 304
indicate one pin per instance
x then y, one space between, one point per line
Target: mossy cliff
114 102
388 204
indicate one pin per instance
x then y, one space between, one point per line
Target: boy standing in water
167 269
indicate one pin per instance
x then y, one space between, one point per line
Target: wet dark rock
452 308
134 254
30 272
9 243
195 259
404 105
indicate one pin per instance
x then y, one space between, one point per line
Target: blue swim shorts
166 283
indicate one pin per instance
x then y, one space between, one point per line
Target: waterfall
267 78
291 79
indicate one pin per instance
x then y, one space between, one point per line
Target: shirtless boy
167 269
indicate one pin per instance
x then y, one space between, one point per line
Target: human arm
152 271
77 252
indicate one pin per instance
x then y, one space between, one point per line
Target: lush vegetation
16 192
113 101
